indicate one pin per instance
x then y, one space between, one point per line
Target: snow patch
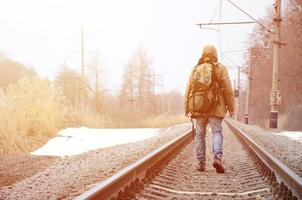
293 135
73 141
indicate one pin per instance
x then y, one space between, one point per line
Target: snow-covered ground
73 141
293 135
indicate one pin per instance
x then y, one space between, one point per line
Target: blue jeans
217 137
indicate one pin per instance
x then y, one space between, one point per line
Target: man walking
208 97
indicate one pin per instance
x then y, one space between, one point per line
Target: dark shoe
201 166
218 165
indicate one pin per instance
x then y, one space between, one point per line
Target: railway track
170 173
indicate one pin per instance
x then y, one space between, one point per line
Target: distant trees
128 92
11 71
68 81
138 84
290 69
170 102
138 90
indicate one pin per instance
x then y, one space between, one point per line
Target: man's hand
231 114
187 114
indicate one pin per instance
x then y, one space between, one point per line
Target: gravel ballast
283 148
14 168
70 176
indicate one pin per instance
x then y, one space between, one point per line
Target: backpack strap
216 80
214 75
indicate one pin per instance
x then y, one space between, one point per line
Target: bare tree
138 86
127 93
11 71
68 81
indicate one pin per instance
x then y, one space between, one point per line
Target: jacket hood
209 49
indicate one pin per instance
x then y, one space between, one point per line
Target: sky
46 34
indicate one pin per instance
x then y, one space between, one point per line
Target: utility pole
238 97
132 100
82 51
81 103
96 68
219 28
249 78
153 92
275 98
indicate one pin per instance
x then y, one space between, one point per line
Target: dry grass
28 109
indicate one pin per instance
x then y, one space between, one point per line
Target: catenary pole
249 80
82 70
238 87
82 51
275 97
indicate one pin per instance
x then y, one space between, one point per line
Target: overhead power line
215 13
255 20
230 59
225 23
235 51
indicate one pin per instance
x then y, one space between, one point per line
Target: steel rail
282 172
110 187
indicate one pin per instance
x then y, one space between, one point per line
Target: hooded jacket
226 98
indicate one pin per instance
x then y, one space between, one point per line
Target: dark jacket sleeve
227 89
